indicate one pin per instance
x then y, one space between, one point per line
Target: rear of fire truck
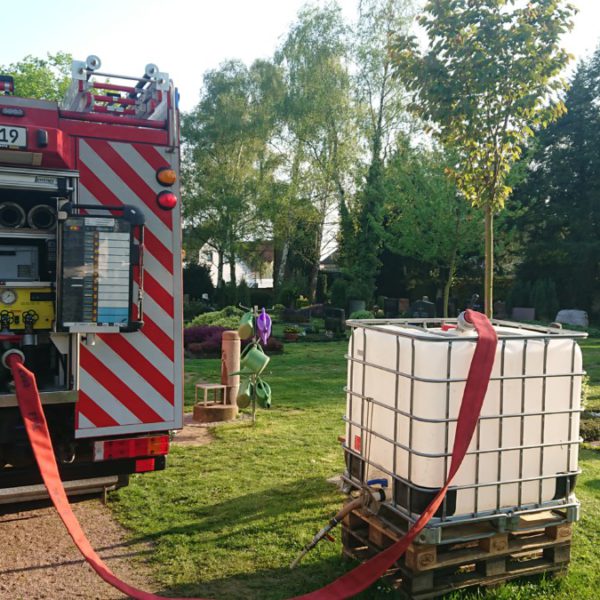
90 276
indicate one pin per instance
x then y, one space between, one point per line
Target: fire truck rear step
58 397
78 487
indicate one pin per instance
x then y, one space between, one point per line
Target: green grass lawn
591 357
227 519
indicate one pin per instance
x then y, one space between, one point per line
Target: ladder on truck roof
134 104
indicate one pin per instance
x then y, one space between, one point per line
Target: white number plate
13 137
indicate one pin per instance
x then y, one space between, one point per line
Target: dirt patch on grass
38 559
200 434
193 434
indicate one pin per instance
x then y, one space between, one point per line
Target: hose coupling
10 352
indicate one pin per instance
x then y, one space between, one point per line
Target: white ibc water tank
404 390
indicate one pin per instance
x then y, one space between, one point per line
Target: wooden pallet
461 530
428 571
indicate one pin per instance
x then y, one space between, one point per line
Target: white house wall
242 271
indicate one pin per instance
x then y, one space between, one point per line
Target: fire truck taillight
167 200
166 176
131 448
144 465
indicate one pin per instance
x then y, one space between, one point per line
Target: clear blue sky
183 37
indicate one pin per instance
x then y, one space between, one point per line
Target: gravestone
522 313
356 305
403 305
500 310
335 319
390 308
573 317
422 309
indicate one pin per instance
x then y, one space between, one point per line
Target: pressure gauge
8 296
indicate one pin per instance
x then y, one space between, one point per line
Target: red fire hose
345 586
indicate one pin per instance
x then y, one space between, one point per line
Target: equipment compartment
29 202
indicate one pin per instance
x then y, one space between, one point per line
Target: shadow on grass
589 452
593 484
262 528
292 504
284 584
264 584
286 516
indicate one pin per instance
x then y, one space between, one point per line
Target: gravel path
39 561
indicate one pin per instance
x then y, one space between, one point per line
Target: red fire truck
90 276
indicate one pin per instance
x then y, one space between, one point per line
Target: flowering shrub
205 340
202 333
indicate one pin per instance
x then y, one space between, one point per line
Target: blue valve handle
382 482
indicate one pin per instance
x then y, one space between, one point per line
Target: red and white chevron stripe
132 382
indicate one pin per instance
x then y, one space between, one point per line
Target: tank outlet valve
377 491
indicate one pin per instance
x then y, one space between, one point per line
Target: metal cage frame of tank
433 534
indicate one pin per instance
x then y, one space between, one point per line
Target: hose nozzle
324 533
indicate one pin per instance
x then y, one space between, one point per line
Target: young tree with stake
489 78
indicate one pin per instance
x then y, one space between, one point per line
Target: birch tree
318 124
380 110
227 168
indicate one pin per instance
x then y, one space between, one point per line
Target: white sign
13 137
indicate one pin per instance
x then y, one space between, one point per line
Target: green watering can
263 393
253 361
246 326
244 396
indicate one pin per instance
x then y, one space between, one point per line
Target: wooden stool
215 387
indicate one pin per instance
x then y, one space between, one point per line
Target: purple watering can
263 325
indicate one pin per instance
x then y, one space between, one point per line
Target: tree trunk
220 261
282 263
448 284
314 272
231 258
314 278
488 288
